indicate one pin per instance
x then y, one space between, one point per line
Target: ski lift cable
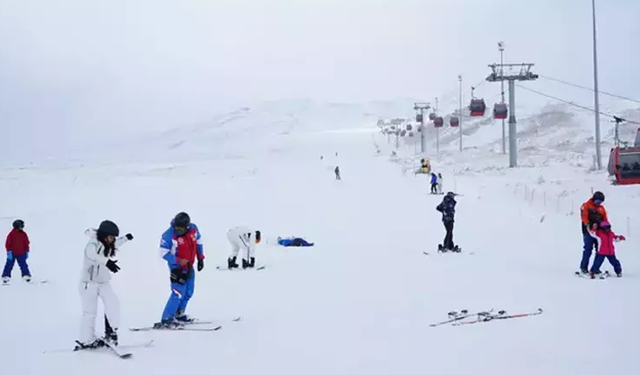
590 89
575 105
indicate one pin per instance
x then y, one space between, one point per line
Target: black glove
129 236
179 276
112 266
200 264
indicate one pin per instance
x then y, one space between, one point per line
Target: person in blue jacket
294 241
181 245
434 183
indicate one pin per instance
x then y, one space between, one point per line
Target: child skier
448 209
434 183
245 238
337 172
180 245
17 249
439 183
97 267
604 238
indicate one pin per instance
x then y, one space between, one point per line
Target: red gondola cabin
454 121
438 122
500 111
477 107
624 164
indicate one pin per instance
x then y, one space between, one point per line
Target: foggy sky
71 67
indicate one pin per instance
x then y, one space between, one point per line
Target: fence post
544 198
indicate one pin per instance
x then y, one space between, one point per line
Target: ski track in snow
361 301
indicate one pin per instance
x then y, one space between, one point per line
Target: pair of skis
458 318
196 325
602 275
122 351
220 268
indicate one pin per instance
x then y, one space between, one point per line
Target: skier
337 172
245 238
17 249
439 183
592 212
448 209
604 238
180 245
434 183
294 241
95 282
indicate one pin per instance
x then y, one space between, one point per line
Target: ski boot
26 278
111 337
245 264
183 318
584 271
619 274
6 279
231 263
455 249
441 248
97 343
167 324
252 263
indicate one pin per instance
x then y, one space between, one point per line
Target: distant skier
591 212
434 183
181 245
337 172
448 209
17 246
439 183
245 239
604 238
294 241
99 262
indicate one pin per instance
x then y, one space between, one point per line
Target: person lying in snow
293 241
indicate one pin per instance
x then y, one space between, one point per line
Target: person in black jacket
448 209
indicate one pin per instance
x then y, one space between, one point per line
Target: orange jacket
589 208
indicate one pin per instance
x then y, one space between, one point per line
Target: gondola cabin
409 127
419 118
477 107
438 122
454 121
624 164
500 111
432 116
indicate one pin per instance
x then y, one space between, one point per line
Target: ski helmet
605 225
181 222
598 196
258 236
18 224
108 228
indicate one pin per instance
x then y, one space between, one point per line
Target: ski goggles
180 229
597 201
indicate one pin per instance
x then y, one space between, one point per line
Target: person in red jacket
17 249
604 238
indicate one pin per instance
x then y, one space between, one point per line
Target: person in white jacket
439 183
98 264
245 239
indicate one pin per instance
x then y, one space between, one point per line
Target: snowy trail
359 302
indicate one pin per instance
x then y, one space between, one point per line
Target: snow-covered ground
362 299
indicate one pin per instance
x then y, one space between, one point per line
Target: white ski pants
89 294
237 243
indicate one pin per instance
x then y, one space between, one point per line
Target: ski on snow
499 316
32 282
122 351
455 316
220 268
186 326
601 276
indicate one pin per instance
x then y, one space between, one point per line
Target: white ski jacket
94 269
243 238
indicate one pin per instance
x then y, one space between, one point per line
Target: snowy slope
362 299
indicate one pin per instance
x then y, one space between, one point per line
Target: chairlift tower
523 74
423 137
501 49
